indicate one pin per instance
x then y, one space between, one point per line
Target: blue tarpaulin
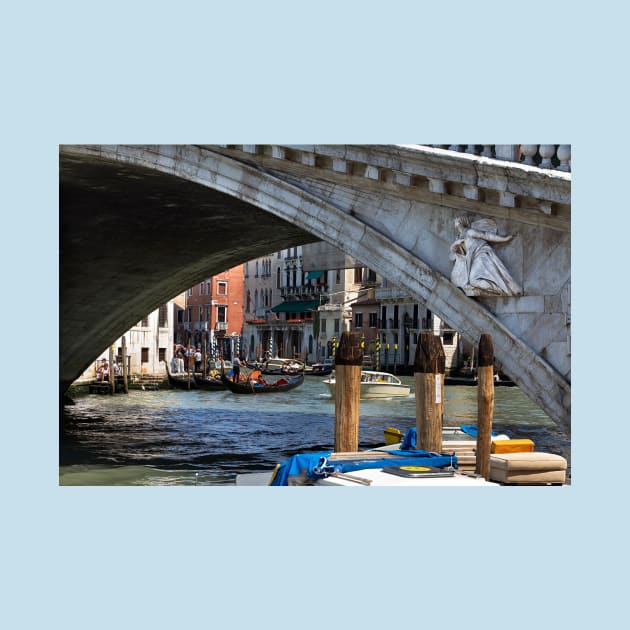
317 466
471 429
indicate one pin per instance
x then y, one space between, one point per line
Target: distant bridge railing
552 156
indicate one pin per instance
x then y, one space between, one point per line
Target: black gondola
256 387
180 382
209 383
319 370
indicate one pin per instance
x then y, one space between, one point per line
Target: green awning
314 275
296 307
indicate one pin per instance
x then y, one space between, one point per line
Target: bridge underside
132 238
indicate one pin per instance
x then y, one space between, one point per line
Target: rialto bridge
139 224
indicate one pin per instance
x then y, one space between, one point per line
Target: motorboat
513 462
375 385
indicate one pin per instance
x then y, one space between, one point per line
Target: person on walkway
181 368
102 371
198 360
175 364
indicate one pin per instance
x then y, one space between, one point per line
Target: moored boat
208 383
472 381
375 385
319 369
279 365
180 382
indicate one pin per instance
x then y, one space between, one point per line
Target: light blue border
351 72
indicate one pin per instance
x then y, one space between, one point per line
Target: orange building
212 310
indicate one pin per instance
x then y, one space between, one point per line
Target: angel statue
477 269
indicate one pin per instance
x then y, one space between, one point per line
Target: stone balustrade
552 156
537 183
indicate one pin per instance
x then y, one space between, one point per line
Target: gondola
319 370
254 386
208 383
180 382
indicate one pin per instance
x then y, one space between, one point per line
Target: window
180 316
162 354
222 287
396 316
447 338
145 322
201 313
337 325
358 320
144 355
201 288
222 314
190 314
338 276
208 287
163 316
322 325
358 275
278 278
373 320
384 315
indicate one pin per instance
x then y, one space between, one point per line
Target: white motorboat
375 385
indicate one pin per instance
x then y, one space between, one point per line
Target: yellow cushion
512 446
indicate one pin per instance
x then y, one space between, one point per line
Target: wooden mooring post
204 358
429 368
485 405
189 359
124 367
111 376
348 363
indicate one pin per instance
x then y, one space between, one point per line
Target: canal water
172 437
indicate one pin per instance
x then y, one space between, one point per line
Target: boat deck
378 477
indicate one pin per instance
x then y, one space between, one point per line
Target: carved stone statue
477 269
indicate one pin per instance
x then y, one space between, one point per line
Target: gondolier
236 367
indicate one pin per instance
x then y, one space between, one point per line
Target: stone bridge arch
209 187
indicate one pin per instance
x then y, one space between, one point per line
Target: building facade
391 322
211 313
148 345
281 301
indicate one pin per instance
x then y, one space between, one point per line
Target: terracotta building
212 310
